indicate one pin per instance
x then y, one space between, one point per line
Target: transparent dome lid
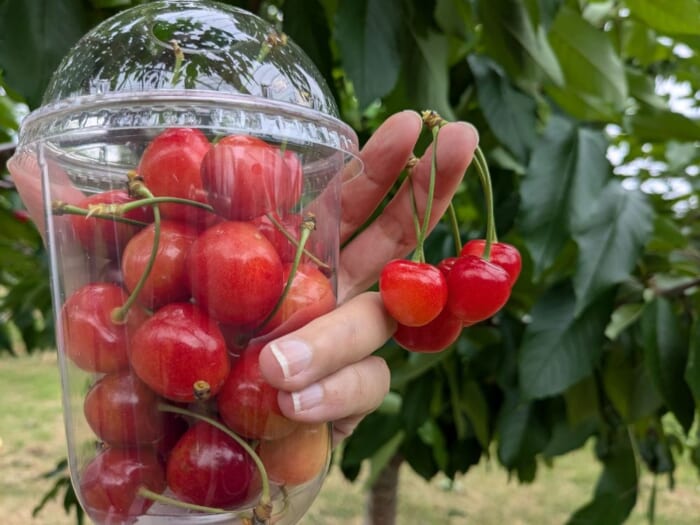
235 70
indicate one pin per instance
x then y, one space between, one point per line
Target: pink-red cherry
291 224
180 353
502 254
478 289
435 336
107 237
109 484
92 339
248 403
168 279
235 273
413 293
123 411
208 467
170 167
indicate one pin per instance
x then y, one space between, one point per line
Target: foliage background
588 114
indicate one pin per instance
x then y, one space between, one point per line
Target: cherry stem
454 225
307 226
118 209
137 187
482 169
160 498
265 502
62 208
179 57
419 253
284 231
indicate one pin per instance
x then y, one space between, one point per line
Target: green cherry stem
137 187
280 227
264 507
118 209
160 498
454 225
482 168
62 208
179 58
307 226
419 253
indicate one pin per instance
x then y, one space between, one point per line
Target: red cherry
235 273
176 349
504 255
241 140
168 280
92 339
435 336
413 293
291 223
311 295
123 411
207 467
109 484
478 289
170 167
248 404
445 266
107 237
297 457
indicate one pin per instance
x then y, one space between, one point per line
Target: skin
342 387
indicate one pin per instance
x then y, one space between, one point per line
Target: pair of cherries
433 303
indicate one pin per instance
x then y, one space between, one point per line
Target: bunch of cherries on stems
208 262
433 303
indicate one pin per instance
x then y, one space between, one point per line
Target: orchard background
589 116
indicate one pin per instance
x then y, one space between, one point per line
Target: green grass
32 439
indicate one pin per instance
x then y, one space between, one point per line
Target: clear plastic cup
187 161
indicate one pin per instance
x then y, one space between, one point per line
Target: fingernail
308 398
293 356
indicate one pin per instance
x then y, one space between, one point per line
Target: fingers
325 370
392 234
384 156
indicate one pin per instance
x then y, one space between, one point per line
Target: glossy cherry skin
123 411
92 339
413 293
435 336
235 273
170 167
168 280
291 223
178 347
478 289
502 254
297 457
107 237
248 404
207 467
109 484
246 179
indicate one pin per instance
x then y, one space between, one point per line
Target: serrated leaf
34 37
611 243
622 318
559 349
589 61
510 113
368 34
566 173
513 40
666 347
676 17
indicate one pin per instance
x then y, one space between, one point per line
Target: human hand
325 371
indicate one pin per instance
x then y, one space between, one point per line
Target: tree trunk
382 497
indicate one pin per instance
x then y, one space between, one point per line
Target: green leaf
34 37
475 406
666 347
582 402
611 243
382 457
558 349
513 41
652 125
675 17
591 66
368 34
692 370
567 171
622 318
521 436
510 113
416 404
431 434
